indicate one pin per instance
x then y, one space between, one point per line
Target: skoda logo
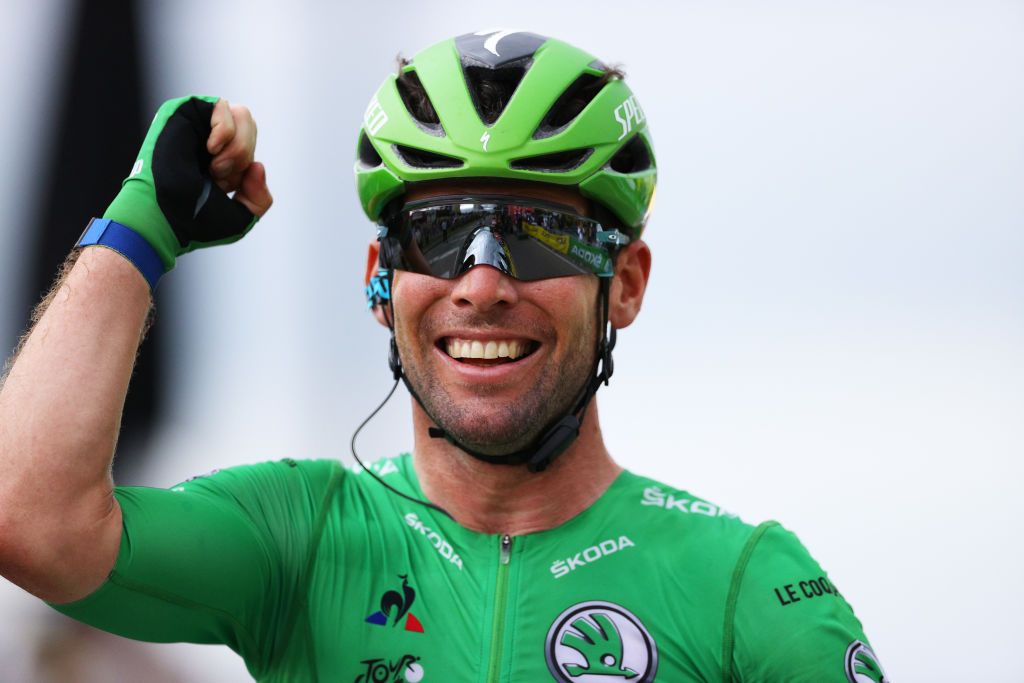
600 642
862 666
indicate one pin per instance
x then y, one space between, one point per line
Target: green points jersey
312 572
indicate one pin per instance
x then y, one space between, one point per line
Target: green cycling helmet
514 105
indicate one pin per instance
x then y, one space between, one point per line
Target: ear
632 270
372 256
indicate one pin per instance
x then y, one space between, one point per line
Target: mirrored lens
525 241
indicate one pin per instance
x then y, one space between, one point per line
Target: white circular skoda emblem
862 665
600 642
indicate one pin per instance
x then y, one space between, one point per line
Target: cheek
570 301
413 294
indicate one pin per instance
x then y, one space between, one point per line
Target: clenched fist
197 151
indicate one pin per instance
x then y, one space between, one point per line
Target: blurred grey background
833 337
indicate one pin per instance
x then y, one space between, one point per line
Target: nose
483 288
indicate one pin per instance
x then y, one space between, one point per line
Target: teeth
467 348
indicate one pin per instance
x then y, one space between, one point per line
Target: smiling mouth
489 352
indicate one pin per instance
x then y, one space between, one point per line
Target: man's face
497 405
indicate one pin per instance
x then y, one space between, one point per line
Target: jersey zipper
500 598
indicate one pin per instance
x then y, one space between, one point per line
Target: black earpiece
394 362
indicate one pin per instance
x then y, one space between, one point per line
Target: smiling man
510 176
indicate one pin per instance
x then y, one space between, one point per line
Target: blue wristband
125 241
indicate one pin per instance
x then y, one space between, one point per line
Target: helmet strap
559 434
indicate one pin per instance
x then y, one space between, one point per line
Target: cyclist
511 176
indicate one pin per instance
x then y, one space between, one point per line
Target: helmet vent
632 158
367 152
417 102
559 162
491 89
421 158
569 105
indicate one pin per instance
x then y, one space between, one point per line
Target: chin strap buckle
605 353
554 442
394 362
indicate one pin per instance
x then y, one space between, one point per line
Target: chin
507 420
492 436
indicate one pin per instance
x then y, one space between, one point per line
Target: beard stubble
512 426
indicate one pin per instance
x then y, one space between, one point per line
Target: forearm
61 404
60 412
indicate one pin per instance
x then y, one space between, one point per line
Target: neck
509 499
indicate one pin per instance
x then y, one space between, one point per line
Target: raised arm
62 397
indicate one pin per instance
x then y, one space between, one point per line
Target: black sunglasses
528 240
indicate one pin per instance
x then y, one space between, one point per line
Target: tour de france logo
600 642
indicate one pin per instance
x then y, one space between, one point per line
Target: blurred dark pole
98 128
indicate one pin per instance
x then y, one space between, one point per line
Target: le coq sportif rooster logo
395 606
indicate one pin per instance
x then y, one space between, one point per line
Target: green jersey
312 572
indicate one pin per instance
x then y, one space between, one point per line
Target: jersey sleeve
789 622
218 559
